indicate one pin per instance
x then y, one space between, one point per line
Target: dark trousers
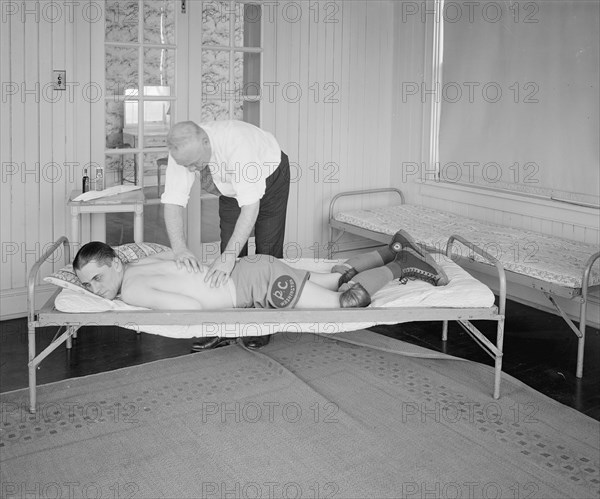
269 229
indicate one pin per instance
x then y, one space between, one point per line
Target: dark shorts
263 281
269 229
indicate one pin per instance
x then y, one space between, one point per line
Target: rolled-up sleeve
178 184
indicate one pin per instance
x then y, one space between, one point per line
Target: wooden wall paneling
6 132
49 174
314 100
19 135
298 119
382 86
361 132
351 176
286 116
33 178
82 110
369 162
342 130
62 132
96 102
328 93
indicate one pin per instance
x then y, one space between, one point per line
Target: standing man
247 169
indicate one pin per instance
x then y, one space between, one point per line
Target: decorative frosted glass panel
121 69
238 111
159 69
247 25
159 21
121 21
215 23
215 110
215 74
120 169
114 124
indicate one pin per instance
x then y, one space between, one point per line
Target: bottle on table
85 181
99 180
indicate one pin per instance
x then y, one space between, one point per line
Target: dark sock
366 261
403 240
375 279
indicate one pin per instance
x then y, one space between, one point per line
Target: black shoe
207 343
256 342
402 240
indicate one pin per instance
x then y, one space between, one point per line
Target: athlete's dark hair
95 251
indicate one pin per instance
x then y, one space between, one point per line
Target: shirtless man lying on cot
259 281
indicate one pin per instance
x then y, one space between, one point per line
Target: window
140 51
231 61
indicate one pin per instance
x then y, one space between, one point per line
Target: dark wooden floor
539 350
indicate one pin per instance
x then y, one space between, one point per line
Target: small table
128 202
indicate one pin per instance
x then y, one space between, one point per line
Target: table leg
75 228
138 225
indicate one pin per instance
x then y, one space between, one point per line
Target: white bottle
99 180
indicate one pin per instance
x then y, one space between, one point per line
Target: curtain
519 97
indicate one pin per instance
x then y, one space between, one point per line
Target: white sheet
463 291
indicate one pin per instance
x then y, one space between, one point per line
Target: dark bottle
85 181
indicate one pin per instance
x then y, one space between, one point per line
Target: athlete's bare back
158 283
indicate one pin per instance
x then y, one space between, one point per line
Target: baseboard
13 302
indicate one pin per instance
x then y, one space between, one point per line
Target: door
225 60
145 92
167 61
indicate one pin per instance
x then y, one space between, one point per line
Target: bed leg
32 366
497 376
581 340
498 357
445 331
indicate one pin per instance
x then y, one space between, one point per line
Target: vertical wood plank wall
39 166
332 93
330 67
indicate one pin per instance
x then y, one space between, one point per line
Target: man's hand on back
220 270
186 259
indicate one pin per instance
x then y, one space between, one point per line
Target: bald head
189 145
182 134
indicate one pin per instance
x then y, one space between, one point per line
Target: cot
555 266
267 321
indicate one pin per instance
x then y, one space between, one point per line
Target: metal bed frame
48 315
550 290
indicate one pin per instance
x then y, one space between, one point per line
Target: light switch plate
60 79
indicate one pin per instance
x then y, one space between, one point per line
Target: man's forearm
243 228
174 222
